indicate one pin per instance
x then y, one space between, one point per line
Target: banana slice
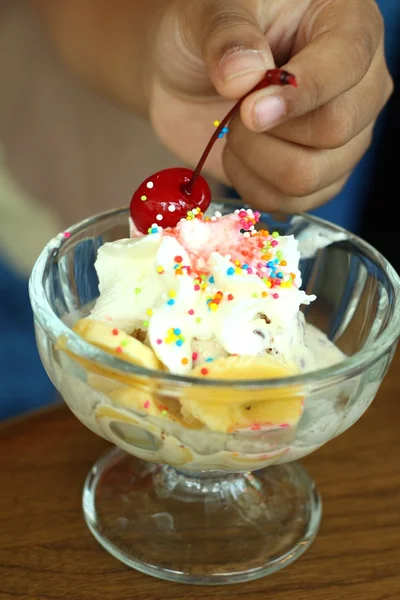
117 343
153 405
231 409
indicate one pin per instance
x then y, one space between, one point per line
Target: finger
292 169
337 122
262 195
333 56
233 46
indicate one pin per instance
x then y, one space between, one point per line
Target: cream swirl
217 281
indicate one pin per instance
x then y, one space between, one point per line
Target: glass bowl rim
350 367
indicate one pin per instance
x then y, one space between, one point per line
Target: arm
106 43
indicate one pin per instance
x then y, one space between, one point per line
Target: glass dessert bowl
187 494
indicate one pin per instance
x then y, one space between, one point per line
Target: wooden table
46 551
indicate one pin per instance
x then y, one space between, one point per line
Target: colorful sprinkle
67 234
115 332
143 198
146 404
184 361
138 290
204 371
195 356
150 185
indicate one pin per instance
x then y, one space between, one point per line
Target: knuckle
301 177
389 89
340 122
361 48
221 20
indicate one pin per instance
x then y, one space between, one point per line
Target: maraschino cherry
167 196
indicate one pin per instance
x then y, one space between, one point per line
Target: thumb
234 48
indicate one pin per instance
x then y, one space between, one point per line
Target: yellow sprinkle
269 284
217 123
149 312
160 270
275 234
213 306
172 294
264 294
143 198
238 271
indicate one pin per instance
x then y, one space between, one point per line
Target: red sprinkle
204 371
195 356
159 342
230 296
191 311
119 349
178 259
146 404
115 332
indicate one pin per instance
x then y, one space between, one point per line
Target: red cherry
163 199
167 196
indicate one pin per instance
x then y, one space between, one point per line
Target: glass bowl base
200 528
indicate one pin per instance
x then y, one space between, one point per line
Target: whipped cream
209 286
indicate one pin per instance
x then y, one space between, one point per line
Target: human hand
290 149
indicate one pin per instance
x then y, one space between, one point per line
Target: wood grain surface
46 551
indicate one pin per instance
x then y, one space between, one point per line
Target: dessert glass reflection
186 501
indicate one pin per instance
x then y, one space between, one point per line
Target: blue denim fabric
24 384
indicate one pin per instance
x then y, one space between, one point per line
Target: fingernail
269 110
240 63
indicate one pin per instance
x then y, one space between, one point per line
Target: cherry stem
272 77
